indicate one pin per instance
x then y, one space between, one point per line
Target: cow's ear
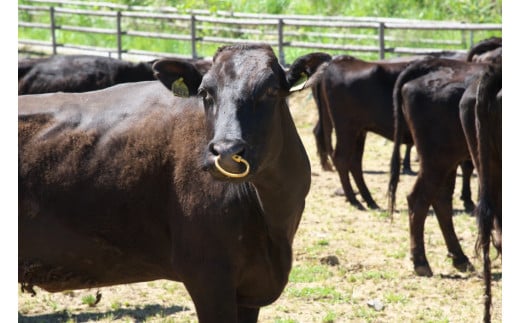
299 83
301 75
180 77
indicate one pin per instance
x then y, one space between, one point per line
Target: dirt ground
373 281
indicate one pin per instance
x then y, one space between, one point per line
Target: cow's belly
64 259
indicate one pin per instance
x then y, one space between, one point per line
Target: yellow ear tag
300 84
179 88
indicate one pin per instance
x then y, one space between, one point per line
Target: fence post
193 37
119 43
381 40
281 55
53 31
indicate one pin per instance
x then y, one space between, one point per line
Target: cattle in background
426 99
82 73
486 50
481 117
26 64
353 97
131 184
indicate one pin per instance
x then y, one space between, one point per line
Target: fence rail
283 32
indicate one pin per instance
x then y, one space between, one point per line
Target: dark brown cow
82 73
132 184
481 117
353 97
426 98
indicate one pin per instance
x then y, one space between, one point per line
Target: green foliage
89 300
488 11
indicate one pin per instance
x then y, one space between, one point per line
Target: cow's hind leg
342 158
465 194
418 205
443 207
407 168
356 170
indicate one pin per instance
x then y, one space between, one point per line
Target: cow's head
244 95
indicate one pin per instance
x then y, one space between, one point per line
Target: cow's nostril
227 148
213 150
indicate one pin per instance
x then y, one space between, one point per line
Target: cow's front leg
214 296
248 314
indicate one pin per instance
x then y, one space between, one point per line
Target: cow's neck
283 186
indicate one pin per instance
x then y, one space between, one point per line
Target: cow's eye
271 92
203 93
206 97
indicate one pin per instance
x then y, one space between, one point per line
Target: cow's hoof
407 171
469 207
464 266
357 205
423 271
373 206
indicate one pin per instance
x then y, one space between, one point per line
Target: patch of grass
324 294
308 274
397 254
330 317
377 275
89 300
365 313
322 243
116 305
280 320
395 298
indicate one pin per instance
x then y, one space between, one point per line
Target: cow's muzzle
227 158
237 159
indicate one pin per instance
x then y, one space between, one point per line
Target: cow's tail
323 128
411 72
489 85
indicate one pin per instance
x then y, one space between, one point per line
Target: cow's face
244 95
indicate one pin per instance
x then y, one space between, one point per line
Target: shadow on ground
135 314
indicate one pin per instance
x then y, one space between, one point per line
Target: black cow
82 73
353 97
486 50
131 184
426 99
481 117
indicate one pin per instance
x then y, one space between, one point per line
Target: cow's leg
407 168
442 205
467 170
214 298
342 158
418 205
356 170
247 314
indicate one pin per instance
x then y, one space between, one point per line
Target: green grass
89 300
482 11
308 274
320 293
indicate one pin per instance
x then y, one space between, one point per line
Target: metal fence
198 29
